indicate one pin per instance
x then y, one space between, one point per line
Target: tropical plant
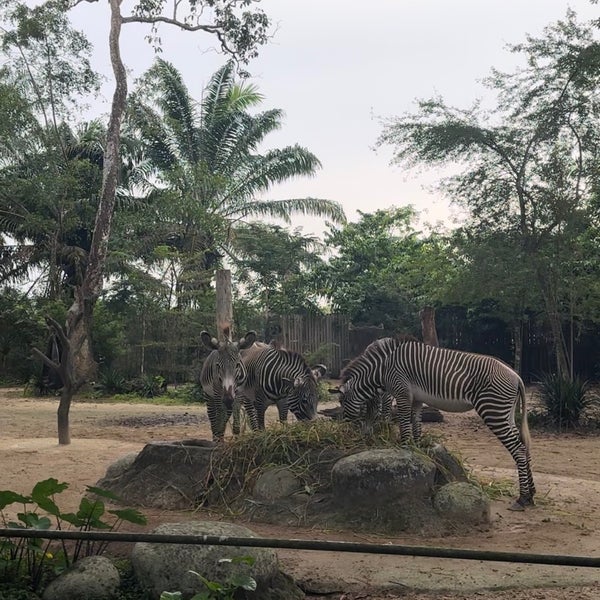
209 173
35 559
565 399
216 590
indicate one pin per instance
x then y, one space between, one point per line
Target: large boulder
462 503
385 488
169 475
276 483
166 567
91 578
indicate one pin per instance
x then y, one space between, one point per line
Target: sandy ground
566 519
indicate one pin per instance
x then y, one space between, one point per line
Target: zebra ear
319 371
247 340
209 342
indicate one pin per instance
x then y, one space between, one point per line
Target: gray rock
167 475
449 468
91 578
276 483
382 476
120 466
166 567
462 503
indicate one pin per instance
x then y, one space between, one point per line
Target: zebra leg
417 408
386 406
216 417
237 408
249 402
282 409
502 425
261 408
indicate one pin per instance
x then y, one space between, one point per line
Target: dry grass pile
309 450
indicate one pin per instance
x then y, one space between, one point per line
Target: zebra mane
292 354
354 367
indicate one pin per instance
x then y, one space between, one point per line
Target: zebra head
230 372
303 393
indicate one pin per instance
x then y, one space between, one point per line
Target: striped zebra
281 377
222 375
450 380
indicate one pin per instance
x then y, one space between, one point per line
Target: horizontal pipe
295 544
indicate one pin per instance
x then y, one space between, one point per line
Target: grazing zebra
222 375
281 377
450 380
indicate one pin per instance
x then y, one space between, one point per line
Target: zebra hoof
521 503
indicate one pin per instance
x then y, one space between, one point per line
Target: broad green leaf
131 515
102 492
90 511
48 487
8 497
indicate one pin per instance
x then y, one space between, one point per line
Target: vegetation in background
565 400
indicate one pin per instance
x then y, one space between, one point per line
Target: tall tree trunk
428 329
77 364
224 305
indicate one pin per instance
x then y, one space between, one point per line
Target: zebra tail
525 437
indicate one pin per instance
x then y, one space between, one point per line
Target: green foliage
383 271
526 170
210 173
221 590
564 399
34 559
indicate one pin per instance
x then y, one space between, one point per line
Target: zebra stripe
415 373
281 377
223 373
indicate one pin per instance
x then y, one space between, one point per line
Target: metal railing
297 544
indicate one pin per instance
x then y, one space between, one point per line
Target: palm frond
283 209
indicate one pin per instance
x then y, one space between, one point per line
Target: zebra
221 377
450 380
281 377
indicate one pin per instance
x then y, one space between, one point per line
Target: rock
166 567
449 467
276 483
120 466
462 503
91 578
384 490
382 476
167 475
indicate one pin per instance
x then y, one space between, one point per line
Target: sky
337 67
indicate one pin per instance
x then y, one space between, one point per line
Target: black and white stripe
222 375
281 377
415 373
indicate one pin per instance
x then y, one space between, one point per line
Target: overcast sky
336 66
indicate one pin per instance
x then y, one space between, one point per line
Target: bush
34 560
564 399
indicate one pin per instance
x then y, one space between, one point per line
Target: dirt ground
566 519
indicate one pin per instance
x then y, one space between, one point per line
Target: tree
277 268
209 170
529 165
383 271
46 179
239 32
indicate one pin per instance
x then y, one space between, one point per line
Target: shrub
34 560
564 399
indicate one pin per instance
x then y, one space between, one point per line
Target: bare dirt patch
566 520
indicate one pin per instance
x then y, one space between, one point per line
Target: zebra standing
450 380
222 375
281 377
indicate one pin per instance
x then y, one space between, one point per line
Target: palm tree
208 171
